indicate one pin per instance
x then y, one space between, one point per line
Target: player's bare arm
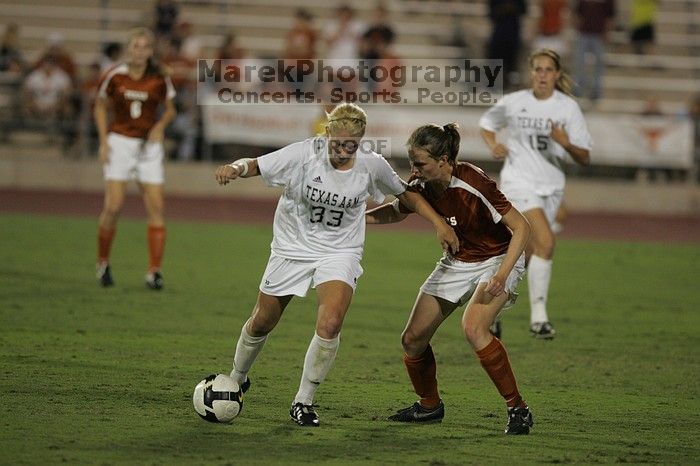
100 114
157 133
520 228
498 151
580 155
387 213
242 168
446 235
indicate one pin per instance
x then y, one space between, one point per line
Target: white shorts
284 276
456 281
524 199
134 158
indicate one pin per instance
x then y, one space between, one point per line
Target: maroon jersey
135 101
473 206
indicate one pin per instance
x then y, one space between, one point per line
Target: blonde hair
347 117
152 66
564 84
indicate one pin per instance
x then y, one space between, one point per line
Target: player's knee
412 344
112 209
473 332
329 328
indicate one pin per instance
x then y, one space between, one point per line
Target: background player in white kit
318 239
544 124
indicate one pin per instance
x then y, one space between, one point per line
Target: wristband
241 167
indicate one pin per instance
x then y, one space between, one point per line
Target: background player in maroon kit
133 147
483 274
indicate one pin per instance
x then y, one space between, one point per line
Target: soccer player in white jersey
318 239
544 125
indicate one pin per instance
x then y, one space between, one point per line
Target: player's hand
499 152
448 239
225 174
156 134
559 135
103 153
496 285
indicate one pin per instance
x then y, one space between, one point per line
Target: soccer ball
218 398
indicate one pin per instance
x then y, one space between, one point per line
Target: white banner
619 140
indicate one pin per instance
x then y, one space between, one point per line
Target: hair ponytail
437 141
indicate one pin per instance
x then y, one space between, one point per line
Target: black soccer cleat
154 280
304 415
417 413
245 385
519 421
496 329
542 330
104 274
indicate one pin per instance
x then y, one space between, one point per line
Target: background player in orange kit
483 274
133 148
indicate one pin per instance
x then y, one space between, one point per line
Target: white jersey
322 210
534 160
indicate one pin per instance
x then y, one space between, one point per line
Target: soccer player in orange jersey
483 274
131 147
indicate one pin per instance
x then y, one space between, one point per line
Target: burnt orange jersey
135 102
473 206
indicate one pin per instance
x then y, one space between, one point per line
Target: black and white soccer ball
218 398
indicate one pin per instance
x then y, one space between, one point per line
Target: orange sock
422 371
104 243
494 360
156 245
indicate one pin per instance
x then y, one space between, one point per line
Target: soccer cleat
417 413
519 421
104 274
245 385
496 329
304 415
542 330
154 280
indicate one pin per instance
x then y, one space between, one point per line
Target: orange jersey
473 206
135 102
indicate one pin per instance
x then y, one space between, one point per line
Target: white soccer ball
218 398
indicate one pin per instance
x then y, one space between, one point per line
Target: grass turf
105 376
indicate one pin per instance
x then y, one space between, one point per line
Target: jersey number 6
336 216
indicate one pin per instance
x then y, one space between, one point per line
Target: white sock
318 361
539 271
247 350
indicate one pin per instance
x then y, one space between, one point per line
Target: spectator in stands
88 94
165 14
11 58
593 19
111 53
47 91
376 43
300 43
550 26
229 50
183 74
342 37
61 57
505 40
694 114
642 20
190 43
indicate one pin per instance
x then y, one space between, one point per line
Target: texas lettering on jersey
319 196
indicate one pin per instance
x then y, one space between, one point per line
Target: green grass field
105 376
